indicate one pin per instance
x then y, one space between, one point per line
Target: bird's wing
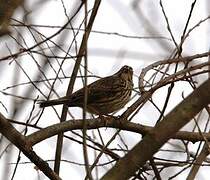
103 90
98 91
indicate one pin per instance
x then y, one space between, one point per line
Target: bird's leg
119 119
103 118
106 118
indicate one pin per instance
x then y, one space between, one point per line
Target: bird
104 96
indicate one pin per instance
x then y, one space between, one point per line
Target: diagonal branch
162 132
7 130
71 83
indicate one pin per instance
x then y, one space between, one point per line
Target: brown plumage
104 96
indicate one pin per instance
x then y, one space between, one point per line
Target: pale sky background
106 54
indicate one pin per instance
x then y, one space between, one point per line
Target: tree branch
7 130
162 132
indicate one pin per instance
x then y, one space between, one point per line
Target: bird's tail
53 102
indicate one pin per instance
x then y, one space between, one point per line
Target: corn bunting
104 96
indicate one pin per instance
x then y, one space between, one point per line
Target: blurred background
39 45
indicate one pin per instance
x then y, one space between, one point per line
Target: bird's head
126 72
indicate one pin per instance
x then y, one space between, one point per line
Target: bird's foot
106 118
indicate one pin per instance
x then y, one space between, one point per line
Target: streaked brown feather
105 95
